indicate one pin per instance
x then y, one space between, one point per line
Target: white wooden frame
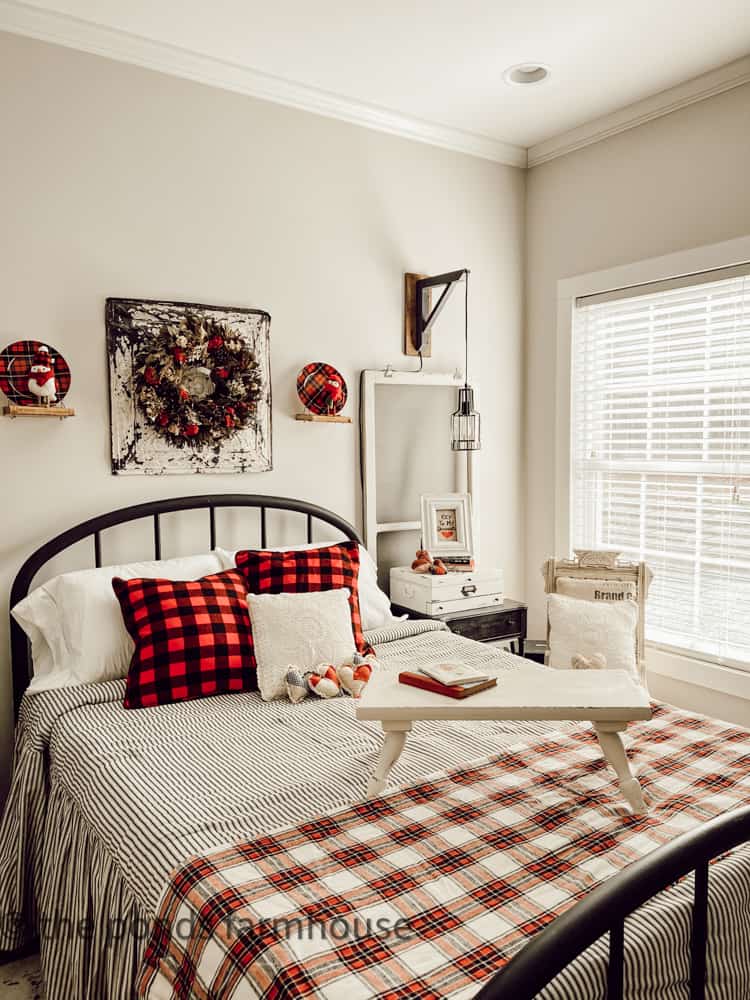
370 381
463 546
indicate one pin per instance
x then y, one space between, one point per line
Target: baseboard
30 948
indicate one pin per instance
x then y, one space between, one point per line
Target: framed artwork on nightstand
447 526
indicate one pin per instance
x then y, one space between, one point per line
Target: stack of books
452 679
459 564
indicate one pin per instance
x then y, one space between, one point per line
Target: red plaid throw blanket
427 891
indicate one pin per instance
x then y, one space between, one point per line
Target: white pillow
374 605
596 590
75 624
588 627
298 630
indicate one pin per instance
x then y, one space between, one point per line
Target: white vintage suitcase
441 595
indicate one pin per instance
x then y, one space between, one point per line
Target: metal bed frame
605 908
93 528
552 949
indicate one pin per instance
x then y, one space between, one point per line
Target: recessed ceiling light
526 73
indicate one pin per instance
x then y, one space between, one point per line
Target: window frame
668 267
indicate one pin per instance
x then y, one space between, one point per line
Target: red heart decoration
363 672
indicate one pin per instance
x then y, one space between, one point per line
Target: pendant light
465 421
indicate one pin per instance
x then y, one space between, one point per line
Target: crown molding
20 18
72 32
700 88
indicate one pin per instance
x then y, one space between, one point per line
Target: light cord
466 332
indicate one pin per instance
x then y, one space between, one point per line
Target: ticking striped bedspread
424 892
106 803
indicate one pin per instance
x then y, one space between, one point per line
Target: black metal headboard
20 651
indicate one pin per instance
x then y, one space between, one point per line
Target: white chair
562 576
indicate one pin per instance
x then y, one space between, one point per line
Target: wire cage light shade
465 423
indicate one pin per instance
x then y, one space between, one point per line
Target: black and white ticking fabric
106 803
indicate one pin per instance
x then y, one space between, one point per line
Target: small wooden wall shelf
38 411
325 418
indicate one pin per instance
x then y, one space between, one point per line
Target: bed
116 819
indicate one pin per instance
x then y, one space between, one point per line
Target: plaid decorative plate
321 388
15 365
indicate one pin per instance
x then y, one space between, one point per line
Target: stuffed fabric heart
296 685
355 675
595 662
323 681
327 682
353 680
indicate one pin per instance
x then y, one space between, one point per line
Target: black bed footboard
607 906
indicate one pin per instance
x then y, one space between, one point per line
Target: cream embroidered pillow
300 630
584 628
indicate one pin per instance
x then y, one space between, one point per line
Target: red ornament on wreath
322 389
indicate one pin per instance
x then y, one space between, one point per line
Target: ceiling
442 61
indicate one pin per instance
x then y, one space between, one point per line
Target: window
660 446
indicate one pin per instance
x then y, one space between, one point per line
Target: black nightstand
501 621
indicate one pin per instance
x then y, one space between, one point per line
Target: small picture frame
447 526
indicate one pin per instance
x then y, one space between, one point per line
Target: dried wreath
197 383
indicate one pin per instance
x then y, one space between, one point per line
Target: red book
450 690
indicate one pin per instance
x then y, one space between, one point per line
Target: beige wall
674 183
120 181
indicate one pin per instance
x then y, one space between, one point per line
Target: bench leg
614 751
395 737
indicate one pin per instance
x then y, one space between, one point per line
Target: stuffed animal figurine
424 563
333 394
594 662
42 377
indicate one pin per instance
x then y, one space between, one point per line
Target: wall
674 183
117 181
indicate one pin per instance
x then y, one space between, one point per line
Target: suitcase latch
468 589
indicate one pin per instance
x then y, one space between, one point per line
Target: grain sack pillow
301 631
331 567
596 590
192 638
587 628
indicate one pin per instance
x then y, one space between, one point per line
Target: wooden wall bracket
419 311
410 313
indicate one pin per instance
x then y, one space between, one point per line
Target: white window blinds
661 450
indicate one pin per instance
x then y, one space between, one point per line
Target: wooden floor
21 980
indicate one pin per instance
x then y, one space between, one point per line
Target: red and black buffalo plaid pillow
307 570
192 638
